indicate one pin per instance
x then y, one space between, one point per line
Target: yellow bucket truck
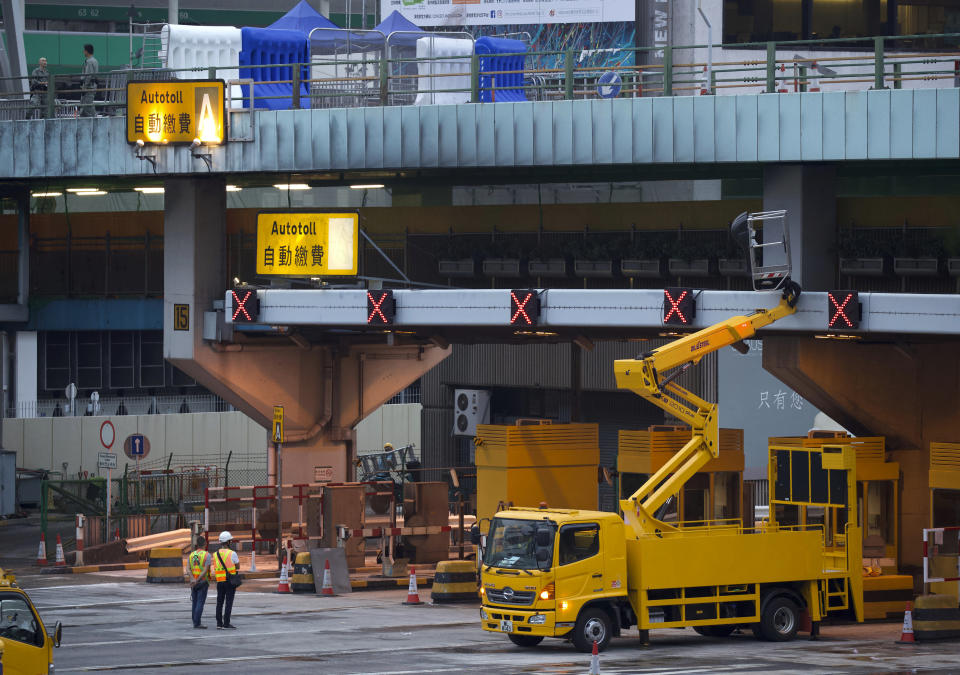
587 575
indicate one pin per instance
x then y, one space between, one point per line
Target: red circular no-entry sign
107 434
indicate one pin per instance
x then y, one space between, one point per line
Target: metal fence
876 62
133 405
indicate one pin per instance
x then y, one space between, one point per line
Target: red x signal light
843 310
381 307
246 305
679 306
524 307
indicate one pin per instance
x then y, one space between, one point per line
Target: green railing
373 79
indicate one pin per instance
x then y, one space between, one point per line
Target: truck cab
554 573
25 646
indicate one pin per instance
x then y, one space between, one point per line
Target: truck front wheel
593 626
780 620
525 640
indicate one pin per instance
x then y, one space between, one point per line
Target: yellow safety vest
198 559
219 572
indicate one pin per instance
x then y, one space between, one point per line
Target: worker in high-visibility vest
199 561
225 565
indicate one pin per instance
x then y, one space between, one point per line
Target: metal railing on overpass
909 61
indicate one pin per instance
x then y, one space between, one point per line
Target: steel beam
895 313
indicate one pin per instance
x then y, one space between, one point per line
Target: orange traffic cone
42 551
61 561
413 595
595 660
327 587
906 635
284 585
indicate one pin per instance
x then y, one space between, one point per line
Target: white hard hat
225 537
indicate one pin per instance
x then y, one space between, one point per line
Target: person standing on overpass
39 83
199 582
88 82
225 564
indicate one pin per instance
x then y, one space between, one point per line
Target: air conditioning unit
470 408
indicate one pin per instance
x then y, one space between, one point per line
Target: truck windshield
512 543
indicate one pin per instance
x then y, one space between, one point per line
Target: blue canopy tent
397 22
303 18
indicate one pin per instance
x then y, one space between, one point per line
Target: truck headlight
538 619
483 614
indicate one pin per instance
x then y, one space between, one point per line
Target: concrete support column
908 393
25 387
325 389
809 195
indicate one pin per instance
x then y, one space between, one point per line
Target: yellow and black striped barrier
302 579
936 617
455 581
166 566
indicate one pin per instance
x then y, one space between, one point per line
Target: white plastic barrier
203 47
440 74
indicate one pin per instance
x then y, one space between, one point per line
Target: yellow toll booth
525 464
885 591
713 494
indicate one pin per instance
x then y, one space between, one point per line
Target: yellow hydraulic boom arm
645 376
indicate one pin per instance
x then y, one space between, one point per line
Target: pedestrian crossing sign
277 424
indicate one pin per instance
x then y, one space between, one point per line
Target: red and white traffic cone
595 660
42 552
704 85
906 635
61 561
327 586
782 85
413 594
284 585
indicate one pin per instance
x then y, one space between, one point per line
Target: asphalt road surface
116 622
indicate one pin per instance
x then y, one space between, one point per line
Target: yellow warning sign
307 244
175 111
277 436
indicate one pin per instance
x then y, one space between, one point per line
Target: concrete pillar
909 393
809 195
325 390
25 387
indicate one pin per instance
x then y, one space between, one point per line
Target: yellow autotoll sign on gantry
175 111
307 244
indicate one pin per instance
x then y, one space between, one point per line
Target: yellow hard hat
388 446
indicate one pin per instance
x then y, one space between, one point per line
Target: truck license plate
506 626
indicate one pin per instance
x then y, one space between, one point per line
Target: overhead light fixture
91 193
368 186
535 333
79 190
838 336
149 190
291 186
234 188
46 194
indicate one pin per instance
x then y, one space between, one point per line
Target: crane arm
648 377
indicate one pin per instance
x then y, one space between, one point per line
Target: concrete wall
397 423
199 438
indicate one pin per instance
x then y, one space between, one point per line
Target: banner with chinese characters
175 111
506 12
291 243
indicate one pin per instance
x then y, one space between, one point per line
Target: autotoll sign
307 244
175 111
